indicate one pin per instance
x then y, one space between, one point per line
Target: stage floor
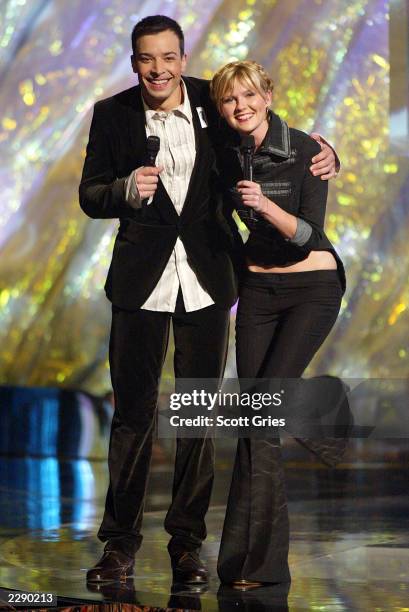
349 534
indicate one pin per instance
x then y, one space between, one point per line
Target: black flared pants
282 320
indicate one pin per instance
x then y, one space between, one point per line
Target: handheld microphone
152 149
247 147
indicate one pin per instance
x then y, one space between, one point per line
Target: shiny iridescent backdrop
330 63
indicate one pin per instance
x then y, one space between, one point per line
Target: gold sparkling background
330 64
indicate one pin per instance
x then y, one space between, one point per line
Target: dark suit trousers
282 320
138 347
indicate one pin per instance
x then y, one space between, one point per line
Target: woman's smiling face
245 109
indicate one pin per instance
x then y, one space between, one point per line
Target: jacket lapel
202 151
136 127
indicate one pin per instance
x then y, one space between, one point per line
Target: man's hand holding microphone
146 180
143 182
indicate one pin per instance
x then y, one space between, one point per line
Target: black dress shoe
188 569
113 566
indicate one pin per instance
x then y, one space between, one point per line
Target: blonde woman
290 296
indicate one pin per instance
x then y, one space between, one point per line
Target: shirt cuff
302 233
131 192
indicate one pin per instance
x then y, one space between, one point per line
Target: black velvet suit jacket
146 237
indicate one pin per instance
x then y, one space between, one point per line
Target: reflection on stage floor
349 542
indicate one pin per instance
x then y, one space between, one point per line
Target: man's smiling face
159 64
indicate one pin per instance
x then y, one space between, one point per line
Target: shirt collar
277 139
183 110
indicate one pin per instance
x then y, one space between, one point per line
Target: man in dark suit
172 261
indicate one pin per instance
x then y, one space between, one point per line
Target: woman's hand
251 195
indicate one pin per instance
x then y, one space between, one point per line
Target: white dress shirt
177 155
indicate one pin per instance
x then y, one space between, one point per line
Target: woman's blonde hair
247 71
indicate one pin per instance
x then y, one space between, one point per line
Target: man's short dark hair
155 24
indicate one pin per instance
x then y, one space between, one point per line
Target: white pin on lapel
202 116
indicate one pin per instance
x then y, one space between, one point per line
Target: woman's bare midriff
316 260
